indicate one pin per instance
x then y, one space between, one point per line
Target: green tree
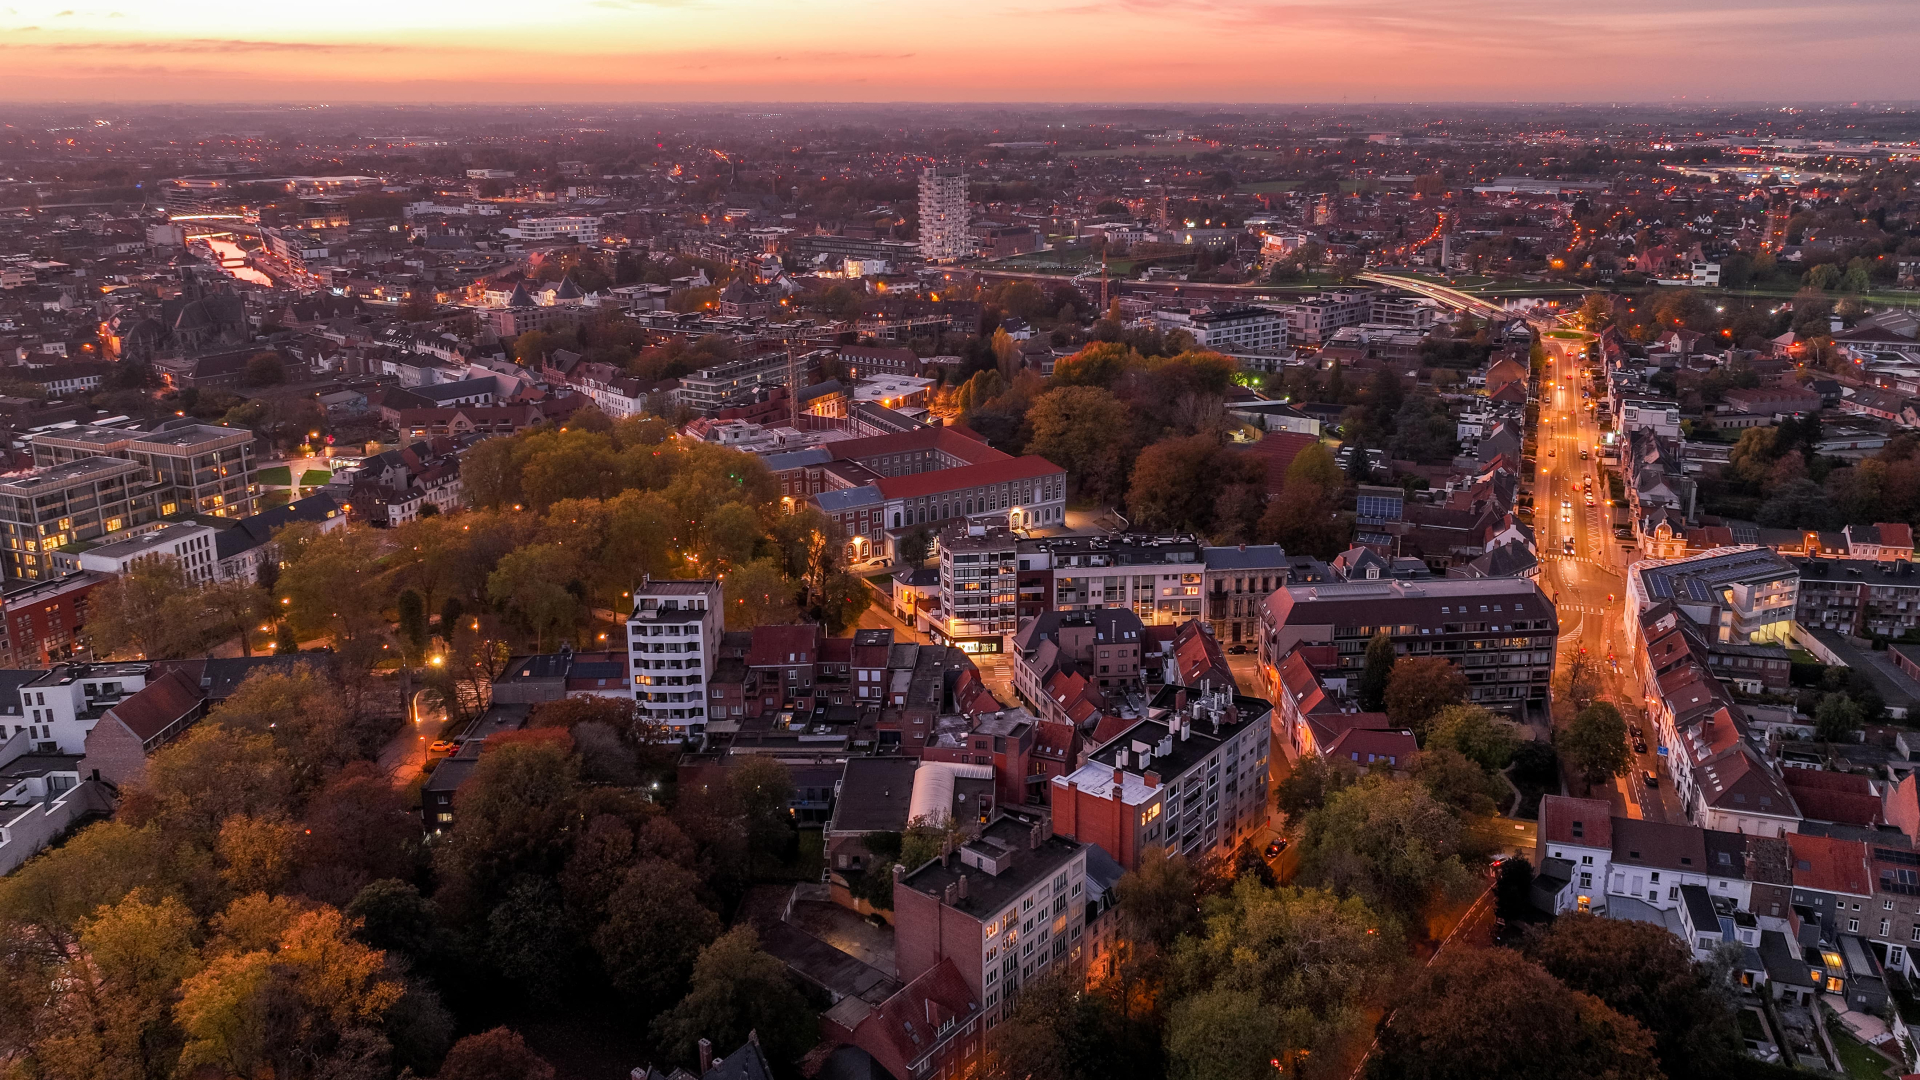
654 930
737 988
1059 1030
1157 899
1226 1034
1836 719
265 369
512 818
413 625
1419 688
1387 841
1307 959
1594 744
763 789
1080 428
1307 785
1478 1013
1377 676
759 593
1483 738
535 586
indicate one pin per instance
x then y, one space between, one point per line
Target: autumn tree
1059 1030
497 1054
152 611
301 711
654 930
1476 1013
1419 687
1646 974
1083 430
307 1002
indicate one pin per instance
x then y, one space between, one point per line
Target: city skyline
859 51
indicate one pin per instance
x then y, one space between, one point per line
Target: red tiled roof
783 644
1830 865
1559 813
907 1025
162 702
967 476
972 450
1366 745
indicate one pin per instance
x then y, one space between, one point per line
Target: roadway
1587 581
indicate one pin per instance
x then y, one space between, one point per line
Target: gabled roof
1585 822
158 705
915 1019
1829 865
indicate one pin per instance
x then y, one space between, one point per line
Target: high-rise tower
944 232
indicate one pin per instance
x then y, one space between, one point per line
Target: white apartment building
1314 320
59 706
1231 327
581 230
945 226
673 637
190 545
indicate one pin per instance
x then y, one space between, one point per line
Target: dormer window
1579 829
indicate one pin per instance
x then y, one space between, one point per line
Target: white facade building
945 233
581 230
674 639
192 546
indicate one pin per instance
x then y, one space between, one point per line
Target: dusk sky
996 50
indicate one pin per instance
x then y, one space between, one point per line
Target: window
1886 927
1853 926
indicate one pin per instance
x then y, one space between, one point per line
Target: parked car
1276 847
1639 746
1652 778
442 746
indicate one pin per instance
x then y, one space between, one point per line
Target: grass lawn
315 477
271 499
278 476
1861 1061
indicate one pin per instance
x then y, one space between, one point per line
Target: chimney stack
963 886
706 1056
951 894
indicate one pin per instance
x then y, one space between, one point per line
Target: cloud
209 46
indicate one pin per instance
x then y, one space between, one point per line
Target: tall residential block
944 232
674 639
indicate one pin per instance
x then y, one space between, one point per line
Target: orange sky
997 50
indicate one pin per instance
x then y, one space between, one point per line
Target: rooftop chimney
706 1056
1180 700
1153 779
963 886
950 894
1119 775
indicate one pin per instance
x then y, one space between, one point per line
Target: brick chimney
706 1056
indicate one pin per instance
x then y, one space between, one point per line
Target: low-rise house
43 796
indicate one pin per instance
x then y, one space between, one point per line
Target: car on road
1651 778
1583 455
1639 746
442 746
1566 504
1238 650
1634 730
1276 847
1550 452
1567 545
